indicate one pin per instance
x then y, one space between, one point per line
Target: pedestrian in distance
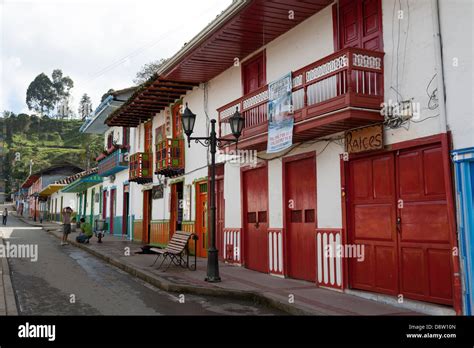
66 215
5 216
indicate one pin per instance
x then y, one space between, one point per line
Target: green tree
62 84
44 95
106 95
148 70
41 95
85 107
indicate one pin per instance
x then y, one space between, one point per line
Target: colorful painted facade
363 200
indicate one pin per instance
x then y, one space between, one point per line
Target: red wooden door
255 192
126 208
399 212
148 137
424 239
104 204
112 210
300 216
360 24
220 217
253 74
146 216
372 224
177 128
201 218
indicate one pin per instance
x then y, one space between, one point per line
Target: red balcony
339 92
170 157
141 168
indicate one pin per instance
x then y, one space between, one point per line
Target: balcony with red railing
339 92
141 167
170 157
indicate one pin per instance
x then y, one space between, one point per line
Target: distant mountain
46 142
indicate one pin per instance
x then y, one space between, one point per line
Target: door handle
399 224
257 224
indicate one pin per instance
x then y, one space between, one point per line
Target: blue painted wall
464 167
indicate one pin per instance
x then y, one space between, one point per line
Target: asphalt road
68 281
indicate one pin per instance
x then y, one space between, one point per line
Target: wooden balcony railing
349 78
112 163
170 157
141 167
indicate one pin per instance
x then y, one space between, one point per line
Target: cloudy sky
100 44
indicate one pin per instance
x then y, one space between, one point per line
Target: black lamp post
236 121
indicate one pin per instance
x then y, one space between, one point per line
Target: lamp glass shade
187 120
236 124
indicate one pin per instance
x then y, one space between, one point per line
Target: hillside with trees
42 142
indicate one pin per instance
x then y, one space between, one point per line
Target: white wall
309 41
457 31
414 52
69 199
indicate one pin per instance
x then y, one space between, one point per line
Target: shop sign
364 139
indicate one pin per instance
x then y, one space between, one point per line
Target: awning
95 124
83 184
151 97
50 189
244 27
30 181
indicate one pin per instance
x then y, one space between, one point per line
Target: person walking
5 216
66 214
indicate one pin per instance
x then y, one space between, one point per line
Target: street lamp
236 121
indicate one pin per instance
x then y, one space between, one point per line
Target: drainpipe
443 121
443 126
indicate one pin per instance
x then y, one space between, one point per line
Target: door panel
147 206
253 74
424 240
372 224
220 216
398 211
201 218
148 137
300 189
112 210
255 189
360 24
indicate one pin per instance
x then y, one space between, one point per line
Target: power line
139 50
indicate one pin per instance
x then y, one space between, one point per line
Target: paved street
65 273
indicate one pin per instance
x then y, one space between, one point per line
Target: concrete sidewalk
7 295
292 296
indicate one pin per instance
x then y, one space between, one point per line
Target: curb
7 289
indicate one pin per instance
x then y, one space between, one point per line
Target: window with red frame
360 24
110 140
126 137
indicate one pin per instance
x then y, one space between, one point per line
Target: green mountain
45 142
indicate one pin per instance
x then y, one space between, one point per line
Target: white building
109 200
380 91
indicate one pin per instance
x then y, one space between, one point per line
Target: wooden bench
175 251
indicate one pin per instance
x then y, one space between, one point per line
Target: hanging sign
280 115
364 139
157 192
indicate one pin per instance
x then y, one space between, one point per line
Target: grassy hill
46 142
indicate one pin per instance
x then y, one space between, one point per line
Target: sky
100 44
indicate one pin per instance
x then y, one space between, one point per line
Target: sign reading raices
280 116
364 139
